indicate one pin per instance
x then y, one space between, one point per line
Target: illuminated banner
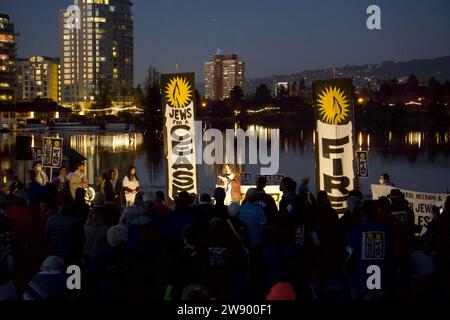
179 132
333 100
421 203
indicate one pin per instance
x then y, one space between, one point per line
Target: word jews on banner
179 132
52 152
333 101
421 203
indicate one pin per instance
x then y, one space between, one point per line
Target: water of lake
415 160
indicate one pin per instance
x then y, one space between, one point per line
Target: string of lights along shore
95 63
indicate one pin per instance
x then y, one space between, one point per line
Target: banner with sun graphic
333 100
178 98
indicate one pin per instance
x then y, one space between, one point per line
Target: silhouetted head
287 184
80 195
205 198
322 198
369 209
160 197
261 183
219 195
251 195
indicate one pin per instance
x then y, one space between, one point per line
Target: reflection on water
114 143
415 160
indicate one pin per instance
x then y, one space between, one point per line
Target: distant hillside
422 68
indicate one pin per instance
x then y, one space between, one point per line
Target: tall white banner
333 100
179 132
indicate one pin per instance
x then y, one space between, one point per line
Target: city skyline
273 38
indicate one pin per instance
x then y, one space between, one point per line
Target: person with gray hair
117 235
134 211
49 282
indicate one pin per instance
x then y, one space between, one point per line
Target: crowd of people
131 244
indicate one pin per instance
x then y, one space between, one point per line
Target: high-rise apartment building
96 50
7 59
223 73
38 77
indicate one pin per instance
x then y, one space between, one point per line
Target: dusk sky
273 37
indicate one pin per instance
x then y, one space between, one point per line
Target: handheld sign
362 164
52 152
37 154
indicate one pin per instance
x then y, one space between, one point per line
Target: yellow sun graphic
178 92
333 105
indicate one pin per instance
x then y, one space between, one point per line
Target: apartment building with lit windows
7 59
223 73
98 56
38 77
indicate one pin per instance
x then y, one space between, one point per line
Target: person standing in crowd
205 204
226 258
64 231
95 230
34 189
253 216
182 215
369 244
130 185
160 205
255 219
385 180
133 211
328 241
443 245
401 210
61 180
41 176
110 187
189 266
111 268
23 236
10 179
219 209
265 201
303 187
8 290
77 179
79 206
287 186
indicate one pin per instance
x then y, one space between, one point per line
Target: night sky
272 36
